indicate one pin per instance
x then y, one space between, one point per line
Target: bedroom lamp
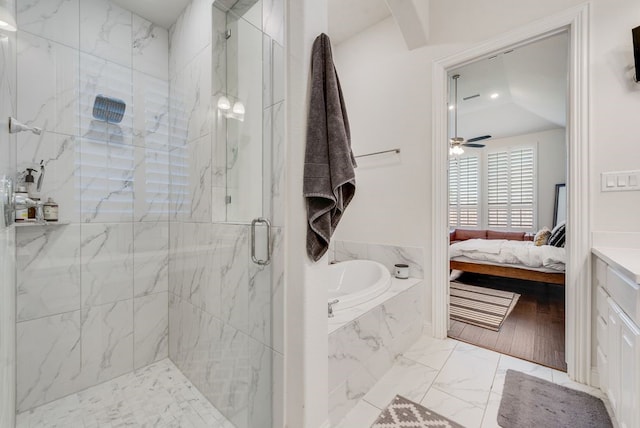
455 143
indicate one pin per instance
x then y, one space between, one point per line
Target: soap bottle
50 210
29 181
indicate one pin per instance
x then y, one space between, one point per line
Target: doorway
508 155
578 303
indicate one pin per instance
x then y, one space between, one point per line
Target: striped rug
480 306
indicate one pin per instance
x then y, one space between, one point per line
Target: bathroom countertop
345 316
625 260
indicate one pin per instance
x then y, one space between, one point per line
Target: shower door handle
260 220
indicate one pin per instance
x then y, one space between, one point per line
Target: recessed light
451 107
495 95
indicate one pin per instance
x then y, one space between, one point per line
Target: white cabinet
617 337
629 410
613 354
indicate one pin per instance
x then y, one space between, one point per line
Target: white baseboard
595 378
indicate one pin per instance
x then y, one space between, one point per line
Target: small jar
32 210
401 271
22 212
50 210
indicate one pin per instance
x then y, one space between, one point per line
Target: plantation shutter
464 192
511 189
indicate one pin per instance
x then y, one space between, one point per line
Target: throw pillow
557 236
542 237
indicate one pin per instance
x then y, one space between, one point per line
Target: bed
510 259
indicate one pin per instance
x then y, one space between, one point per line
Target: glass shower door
7 232
226 274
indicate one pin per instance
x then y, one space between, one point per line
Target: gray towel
329 177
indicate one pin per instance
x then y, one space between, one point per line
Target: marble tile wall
220 317
92 292
7 234
388 255
7 327
361 352
225 312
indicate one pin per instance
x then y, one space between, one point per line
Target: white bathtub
355 281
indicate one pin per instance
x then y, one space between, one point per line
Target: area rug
528 401
403 413
480 306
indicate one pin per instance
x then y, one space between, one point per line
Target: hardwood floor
534 331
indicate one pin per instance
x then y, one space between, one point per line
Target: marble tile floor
158 396
460 381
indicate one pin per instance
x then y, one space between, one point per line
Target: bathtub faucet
333 302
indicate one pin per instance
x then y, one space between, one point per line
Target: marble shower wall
7 233
225 312
92 292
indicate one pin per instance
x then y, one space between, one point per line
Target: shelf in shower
34 224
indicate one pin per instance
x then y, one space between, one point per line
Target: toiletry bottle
31 211
50 209
22 212
29 181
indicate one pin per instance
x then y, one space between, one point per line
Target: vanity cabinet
617 345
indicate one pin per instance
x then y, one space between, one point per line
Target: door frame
575 22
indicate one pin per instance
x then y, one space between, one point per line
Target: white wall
306 344
388 95
615 112
551 162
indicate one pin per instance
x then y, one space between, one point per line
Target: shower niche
245 76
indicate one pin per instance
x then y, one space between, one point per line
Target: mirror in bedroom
508 155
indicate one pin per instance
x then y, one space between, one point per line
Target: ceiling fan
456 143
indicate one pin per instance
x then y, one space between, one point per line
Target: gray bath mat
403 413
531 402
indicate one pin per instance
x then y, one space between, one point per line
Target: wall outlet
620 181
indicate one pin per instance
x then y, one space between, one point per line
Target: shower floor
158 395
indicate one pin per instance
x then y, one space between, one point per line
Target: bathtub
377 318
355 282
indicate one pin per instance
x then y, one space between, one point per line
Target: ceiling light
495 95
456 150
451 107
7 21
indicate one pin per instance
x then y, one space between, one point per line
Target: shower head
110 110
15 127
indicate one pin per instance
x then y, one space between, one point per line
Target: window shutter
464 192
511 189
498 190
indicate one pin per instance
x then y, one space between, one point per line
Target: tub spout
330 307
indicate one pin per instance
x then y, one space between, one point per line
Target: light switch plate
620 181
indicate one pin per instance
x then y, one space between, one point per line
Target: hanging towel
329 176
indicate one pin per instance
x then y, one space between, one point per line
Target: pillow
557 235
464 234
512 236
542 237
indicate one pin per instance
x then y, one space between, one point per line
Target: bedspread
510 252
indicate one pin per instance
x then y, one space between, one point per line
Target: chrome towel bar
379 153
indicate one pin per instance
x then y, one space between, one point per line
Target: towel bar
379 153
